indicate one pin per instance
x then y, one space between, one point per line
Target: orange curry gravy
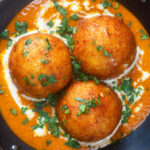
29 14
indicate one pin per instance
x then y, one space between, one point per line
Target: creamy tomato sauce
37 14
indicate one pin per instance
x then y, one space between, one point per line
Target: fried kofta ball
105 46
89 112
39 65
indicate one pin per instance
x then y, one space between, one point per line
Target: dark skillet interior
139 140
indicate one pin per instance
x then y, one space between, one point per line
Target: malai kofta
40 64
89 112
104 45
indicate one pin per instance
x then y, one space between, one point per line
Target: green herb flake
99 47
96 80
73 144
2 92
65 31
25 121
53 126
9 43
4 34
48 142
143 36
27 80
25 54
48 46
130 23
74 30
118 14
48 80
86 105
74 17
32 76
44 61
117 5
105 53
50 23
130 94
13 111
21 28
59 8
106 4
28 42
93 42
65 109
24 109
52 32
126 114
79 75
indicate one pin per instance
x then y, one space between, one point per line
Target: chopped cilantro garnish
74 17
44 61
130 23
94 42
143 36
105 53
74 30
48 142
53 126
66 32
59 8
32 76
9 43
99 47
28 42
147 89
129 93
118 14
47 80
25 54
79 75
106 4
2 92
96 80
117 5
21 28
25 121
53 98
27 80
52 32
73 144
37 126
84 108
13 111
93 0
24 109
4 34
126 114
50 23
48 46
65 109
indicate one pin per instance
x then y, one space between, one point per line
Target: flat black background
140 139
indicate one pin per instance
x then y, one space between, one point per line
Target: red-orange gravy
29 14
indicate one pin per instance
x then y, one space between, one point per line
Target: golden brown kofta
105 46
40 64
101 120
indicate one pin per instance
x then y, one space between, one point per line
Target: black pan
138 140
